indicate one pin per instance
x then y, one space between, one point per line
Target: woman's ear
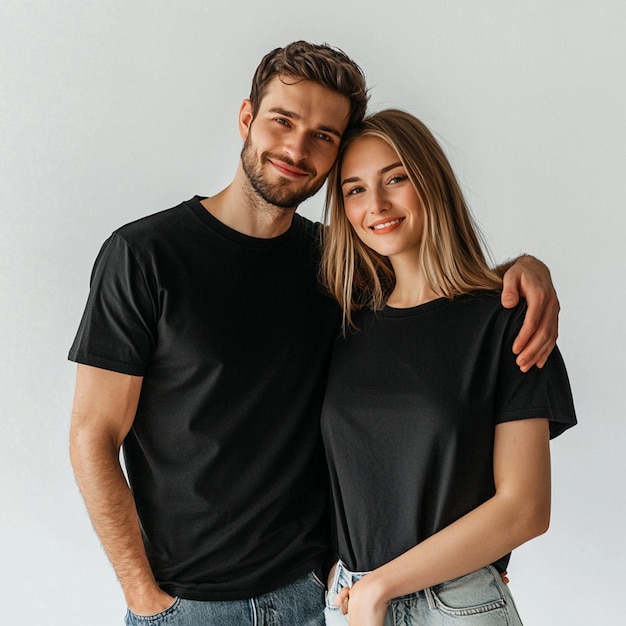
245 118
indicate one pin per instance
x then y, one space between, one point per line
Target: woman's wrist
376 588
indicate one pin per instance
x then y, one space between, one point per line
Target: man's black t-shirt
408 422
232 337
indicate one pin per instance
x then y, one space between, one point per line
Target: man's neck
239 207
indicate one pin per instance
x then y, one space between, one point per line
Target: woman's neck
411 288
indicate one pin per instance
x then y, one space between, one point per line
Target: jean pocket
132 619
474 594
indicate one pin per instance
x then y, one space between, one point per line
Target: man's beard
278 194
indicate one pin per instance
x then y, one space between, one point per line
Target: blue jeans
477 599
299 604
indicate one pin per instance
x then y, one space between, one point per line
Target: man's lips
285 169
385 226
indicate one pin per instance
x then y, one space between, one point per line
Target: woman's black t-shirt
408 421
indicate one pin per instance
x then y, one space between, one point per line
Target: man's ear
245 118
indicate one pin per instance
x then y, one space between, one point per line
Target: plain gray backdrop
113 110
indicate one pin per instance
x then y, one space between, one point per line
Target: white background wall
114 110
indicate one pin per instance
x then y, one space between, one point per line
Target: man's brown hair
330 67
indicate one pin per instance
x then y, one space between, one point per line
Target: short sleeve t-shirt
232 338
409 418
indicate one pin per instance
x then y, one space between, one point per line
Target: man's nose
297 146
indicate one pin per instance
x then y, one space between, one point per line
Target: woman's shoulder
484 310
488 301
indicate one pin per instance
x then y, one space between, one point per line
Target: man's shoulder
307 226
160 222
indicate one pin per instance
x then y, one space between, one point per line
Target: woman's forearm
519 511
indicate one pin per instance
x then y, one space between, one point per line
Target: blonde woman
437 443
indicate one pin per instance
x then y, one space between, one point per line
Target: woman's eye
354 191
398 178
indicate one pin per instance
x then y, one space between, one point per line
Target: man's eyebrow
295 116
387 168
285 113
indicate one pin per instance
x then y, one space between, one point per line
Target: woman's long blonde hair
451 251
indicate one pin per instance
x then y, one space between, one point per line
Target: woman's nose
379 202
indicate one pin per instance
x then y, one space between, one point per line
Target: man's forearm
112 510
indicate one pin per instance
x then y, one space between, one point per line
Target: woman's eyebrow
354 179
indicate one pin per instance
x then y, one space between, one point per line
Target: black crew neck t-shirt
408 422
232 337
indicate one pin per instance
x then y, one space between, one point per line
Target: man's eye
282 121
323 136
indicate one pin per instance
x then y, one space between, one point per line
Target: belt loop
334 585
430 598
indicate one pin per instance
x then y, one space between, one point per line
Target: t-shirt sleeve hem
558 423
106 364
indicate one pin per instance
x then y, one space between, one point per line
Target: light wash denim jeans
299 604
477 599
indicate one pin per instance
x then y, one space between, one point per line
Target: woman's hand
362 603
